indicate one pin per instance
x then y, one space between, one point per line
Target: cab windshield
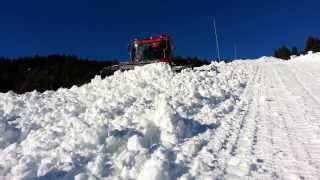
150 51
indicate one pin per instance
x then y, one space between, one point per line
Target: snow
254 119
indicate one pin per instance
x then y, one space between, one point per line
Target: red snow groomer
146 51
158 49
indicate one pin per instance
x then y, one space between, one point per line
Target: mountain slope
257 119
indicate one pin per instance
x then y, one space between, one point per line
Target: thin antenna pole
235 51
217 43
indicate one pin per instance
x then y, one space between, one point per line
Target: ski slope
249 119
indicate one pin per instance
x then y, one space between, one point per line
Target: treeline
51 72
312 44
47 72
190 61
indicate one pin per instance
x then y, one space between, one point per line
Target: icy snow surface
256 119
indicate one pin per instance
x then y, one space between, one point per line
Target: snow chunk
134 143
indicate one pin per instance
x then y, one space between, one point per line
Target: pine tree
283 53
294 51
276 53
312 44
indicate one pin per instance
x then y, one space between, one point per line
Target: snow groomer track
249 119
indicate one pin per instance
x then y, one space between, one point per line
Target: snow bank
128 125
310 56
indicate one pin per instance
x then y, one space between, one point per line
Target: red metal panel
152 40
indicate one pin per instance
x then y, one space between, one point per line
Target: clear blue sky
101 29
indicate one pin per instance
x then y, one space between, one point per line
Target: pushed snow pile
147 123
242 120
126 125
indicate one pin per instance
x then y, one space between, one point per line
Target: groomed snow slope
246 119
